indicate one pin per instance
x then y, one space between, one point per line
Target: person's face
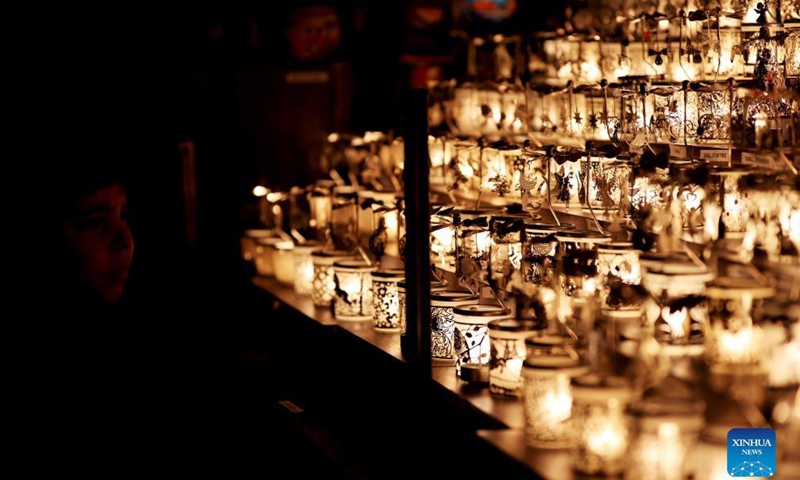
100 242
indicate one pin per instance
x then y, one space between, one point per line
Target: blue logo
751 452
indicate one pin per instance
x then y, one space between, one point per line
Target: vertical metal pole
416 343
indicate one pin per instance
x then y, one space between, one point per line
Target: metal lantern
600 435
304 267
353 290
471 339
323 285
507 355
442 322
733 338
548 399
663 433
386 299
676 310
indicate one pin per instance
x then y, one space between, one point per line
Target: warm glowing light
273 197
333 138
676 321
260 191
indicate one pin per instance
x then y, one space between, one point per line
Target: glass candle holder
386 298
249 239
505 251
507 355
283 262
353 290
344 218
533 181
608 181
436 286
618 264
465 167
324 285
676 309
792 48
539 252
319 201
471 339
599 427
442 322
499 173
440 152
304 267
733 339
264 260
647 191
663 432
566 185
548 399
443 243
733 201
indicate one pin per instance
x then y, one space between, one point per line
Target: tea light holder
283 262
548 399
607 183
733 201
320 205
323 288
733 338
440 152
304 267
676 309
507 355
539 252
386 298
465 166
443 323
353 290
471 339
249 240
436 286
663 432
344 218
600 435
264 259
618 265
498 171
505 251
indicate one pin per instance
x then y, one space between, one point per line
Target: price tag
677 151
715 156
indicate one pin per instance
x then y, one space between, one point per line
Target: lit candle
471 339
548 399
353 290
508 354
599 426
304 267
386 299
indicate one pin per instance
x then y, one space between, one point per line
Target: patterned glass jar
539 252
323 285
442 322
386 298
578 278
727 203
471 339
304 267
353 290
599 427
608 182
548 399
505 251
508 353
436 286
499 173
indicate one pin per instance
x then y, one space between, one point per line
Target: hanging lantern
471 340
733 338
507 355
304 267
599 426
663 433
386 299
353 290
548 399
324 286
442 323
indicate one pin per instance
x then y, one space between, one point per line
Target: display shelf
548 464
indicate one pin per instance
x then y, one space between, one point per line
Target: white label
715 156
677 151
759 160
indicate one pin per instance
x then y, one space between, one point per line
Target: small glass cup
436 286
283 261
471 339
442 323
304 267
323 285
386 299
264 259
508 353
353 290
